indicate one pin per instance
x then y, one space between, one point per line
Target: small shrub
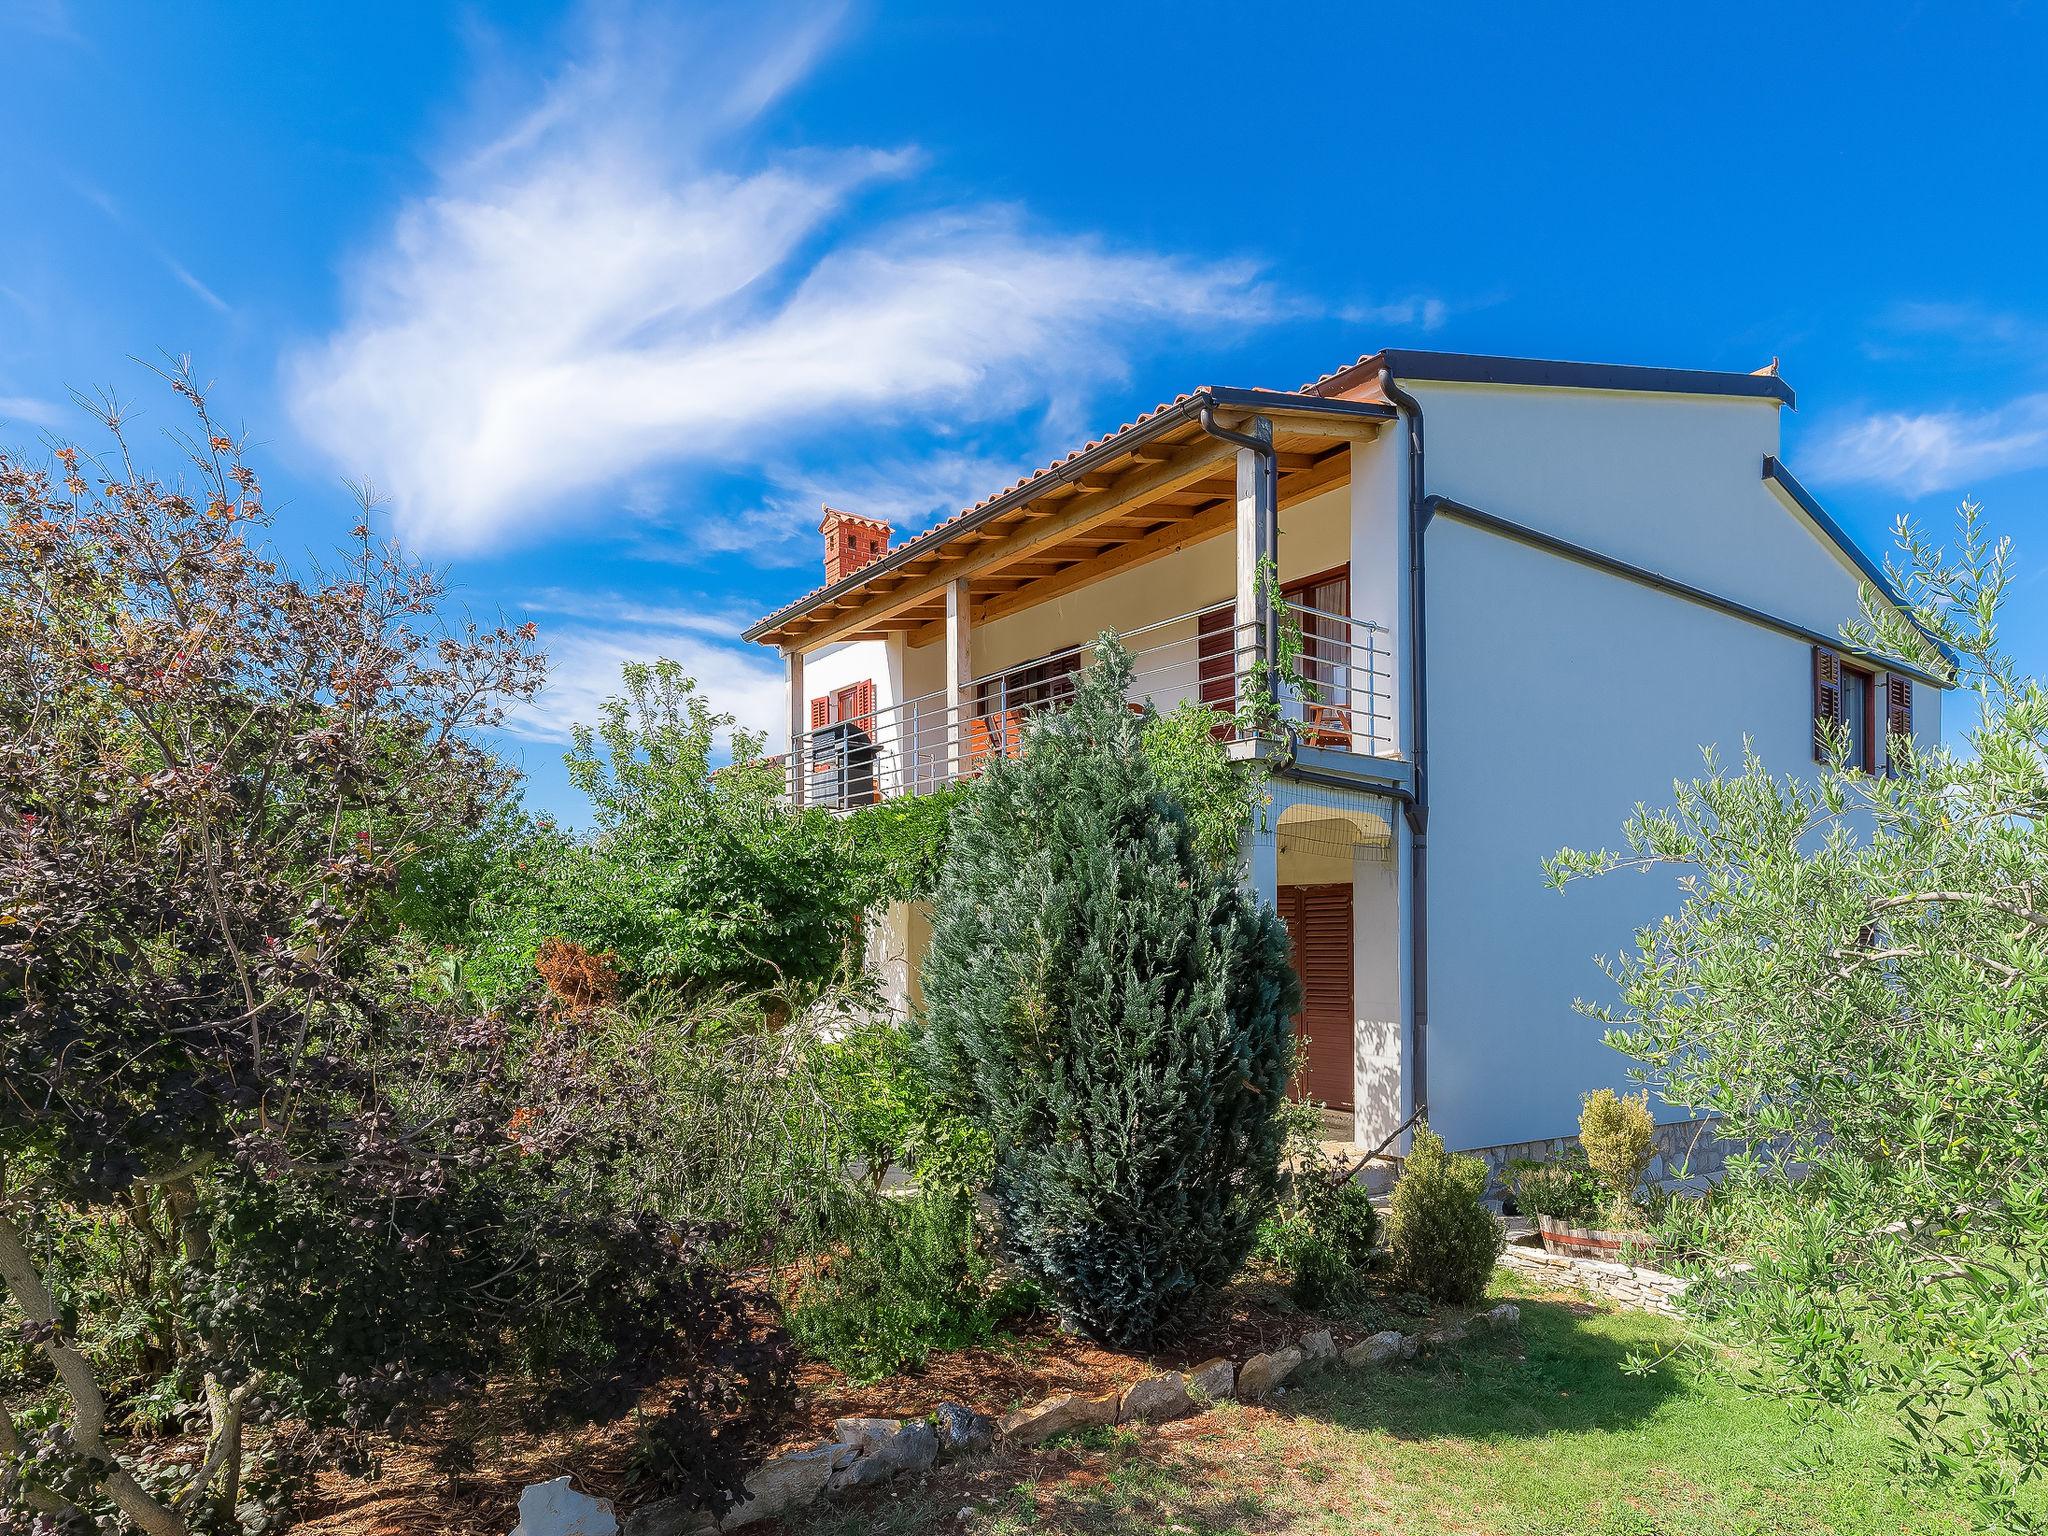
1324 1233
1445 1240
1616 1132
910 1280
1564 1189
874 1088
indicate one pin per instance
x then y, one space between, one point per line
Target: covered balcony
1207 535
1334 697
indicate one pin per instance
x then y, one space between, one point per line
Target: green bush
1563 1189
1618 1134
910 1280
873 1084
691 877
1115 1013
1216 792
1324 1232
1445 1239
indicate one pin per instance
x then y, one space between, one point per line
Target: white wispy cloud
615 285
1966 323
591 634
1919 452
1420 312
41 413
103 200
910 494
584 662
179 271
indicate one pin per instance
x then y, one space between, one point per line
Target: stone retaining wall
1688 1152
866 1451
1644 1290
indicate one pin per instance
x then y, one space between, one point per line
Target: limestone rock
678 1516
865 1434
1376 1350
787 1482
557 1509
1262 1373
887 1448
1056 1415
1450 1333
1156 1398
1213 1380
962 1431
1318 1346
1506 1315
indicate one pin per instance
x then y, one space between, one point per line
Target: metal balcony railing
1338 698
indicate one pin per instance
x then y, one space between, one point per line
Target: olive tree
1856 983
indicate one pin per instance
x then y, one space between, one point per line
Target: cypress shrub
1116 1013
1445 1240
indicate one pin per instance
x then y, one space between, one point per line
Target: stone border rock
1626 1285
866 1451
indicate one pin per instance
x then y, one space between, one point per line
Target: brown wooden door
1318 919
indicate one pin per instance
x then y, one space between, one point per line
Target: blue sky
608 299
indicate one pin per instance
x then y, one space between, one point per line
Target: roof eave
1187 408
1486 368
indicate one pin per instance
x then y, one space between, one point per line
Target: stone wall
1690 1153
1644 1290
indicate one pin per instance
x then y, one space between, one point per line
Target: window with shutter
1846 704
1827 701
821 712
861 705
1215 667
1898 716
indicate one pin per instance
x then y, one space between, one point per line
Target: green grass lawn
1537 1431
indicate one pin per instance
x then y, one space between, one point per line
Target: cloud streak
587 648
1926 451
607 292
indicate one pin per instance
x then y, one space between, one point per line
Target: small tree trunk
88 1403
39 1497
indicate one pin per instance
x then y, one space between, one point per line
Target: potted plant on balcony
1596 1215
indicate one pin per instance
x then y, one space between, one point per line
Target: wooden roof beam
1073 518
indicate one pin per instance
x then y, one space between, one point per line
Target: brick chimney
851 541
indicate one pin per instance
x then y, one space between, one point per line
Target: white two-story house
1530 593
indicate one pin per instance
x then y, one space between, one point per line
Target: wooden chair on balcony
989 734
1329 725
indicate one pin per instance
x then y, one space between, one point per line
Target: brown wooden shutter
1318 919
1215 665
821 712
1827 701
862 713
1898 716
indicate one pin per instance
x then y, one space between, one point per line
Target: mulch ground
410 1498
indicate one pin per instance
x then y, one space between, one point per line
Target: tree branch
88 1403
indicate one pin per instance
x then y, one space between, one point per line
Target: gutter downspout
1416 810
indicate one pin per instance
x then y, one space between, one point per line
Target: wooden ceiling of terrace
1162 496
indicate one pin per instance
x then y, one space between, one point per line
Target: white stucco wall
1314 536
1560 696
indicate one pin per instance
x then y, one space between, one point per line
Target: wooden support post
959 671
1258 527
799 722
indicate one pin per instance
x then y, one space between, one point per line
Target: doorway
1318 919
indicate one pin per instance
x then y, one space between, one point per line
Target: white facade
1560 694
